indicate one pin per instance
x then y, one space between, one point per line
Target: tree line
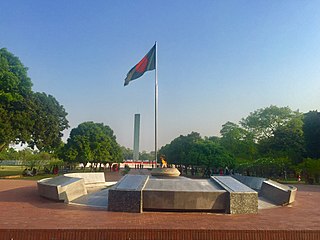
271 141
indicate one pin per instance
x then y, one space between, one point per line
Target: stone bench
274 192
62 188
241 199
278 193
92 180
70 186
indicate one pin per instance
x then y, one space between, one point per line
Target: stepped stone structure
167 191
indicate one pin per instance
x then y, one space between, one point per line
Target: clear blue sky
217 60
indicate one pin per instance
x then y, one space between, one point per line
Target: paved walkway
22 208
95 199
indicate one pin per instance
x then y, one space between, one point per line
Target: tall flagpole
156 108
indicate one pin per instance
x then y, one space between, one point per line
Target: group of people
29 172
138 166
221 172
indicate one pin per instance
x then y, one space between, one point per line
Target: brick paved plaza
25 215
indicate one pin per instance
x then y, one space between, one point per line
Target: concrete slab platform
183 194
181 184
131 182
97 199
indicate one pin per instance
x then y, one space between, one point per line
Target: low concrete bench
278 193
92 180
62 188
242 199
71 185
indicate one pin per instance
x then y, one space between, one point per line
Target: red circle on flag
142 65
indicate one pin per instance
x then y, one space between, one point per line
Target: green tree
238 141
27 157
286 141
265 167
127 153
311 170
192 150
9 154
25 116
47 133
176 152
263 123
15 97
270 136
146 156
209 154
92 142
311 129
277 131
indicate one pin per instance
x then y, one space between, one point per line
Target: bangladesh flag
147 63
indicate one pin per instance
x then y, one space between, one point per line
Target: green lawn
11 170
290 181
16 172
37 177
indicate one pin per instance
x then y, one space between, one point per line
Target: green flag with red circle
147 63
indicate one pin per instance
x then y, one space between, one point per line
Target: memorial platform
26 215
183 194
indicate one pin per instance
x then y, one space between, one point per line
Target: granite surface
253 182
183 194
214 201
126 195
241 198
243 203
231 184
131 182
181 184
125 201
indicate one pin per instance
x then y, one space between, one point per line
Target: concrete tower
136 139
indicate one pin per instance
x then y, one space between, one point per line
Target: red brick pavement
22 208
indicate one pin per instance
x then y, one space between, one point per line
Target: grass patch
15 172
290 181
37 177
11 170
